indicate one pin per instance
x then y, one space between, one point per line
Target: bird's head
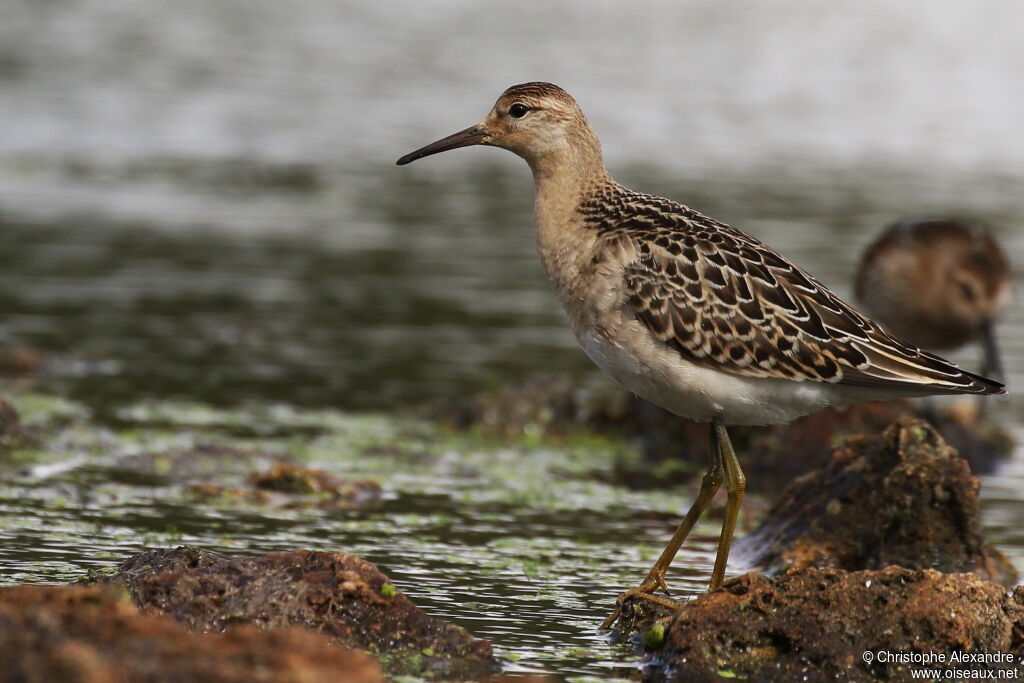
537 121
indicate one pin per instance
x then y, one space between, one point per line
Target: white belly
667 379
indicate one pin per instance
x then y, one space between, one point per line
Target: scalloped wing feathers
724 300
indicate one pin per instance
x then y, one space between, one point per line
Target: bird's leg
709 485
993 365
735 485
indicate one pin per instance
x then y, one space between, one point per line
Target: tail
915 372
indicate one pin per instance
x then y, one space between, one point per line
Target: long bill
474 135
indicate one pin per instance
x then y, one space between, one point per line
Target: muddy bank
816 625
339 595
903 498
95 635
674 449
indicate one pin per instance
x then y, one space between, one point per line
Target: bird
937 283
689 312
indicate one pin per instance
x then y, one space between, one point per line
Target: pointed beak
474 135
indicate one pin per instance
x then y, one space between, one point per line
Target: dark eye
518 110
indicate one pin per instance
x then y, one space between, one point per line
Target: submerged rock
337 594
293 486
287 478
817 624
79 633
904 498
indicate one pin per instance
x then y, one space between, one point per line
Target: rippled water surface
200 208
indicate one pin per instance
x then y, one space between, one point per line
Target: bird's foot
645 592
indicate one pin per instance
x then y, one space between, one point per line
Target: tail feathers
912 371
984 386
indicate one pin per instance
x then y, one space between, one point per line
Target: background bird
938 284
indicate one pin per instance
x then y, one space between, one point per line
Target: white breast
659 374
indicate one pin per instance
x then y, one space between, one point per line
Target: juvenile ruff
938 284
687 311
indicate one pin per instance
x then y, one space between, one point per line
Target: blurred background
201 202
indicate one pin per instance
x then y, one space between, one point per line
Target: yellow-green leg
709 485
735 485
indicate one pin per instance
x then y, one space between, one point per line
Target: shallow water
204 209
517 541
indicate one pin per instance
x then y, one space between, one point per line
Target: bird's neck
562 181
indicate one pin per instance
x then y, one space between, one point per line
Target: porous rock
337 594
816 625
92 634
903 498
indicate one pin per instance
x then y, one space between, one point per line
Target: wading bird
938 284
688 312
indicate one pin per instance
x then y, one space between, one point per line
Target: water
516 541
201 206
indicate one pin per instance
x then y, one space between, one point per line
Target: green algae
654 637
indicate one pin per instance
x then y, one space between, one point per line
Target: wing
724 300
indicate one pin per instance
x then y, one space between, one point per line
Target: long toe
642 594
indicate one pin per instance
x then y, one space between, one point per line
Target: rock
807 443
291 486
904 498
337 594
94 635
287 478
816 625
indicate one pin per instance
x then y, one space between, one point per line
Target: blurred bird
938 284
688 312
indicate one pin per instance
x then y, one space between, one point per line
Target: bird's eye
518 110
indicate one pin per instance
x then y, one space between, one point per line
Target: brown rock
290 486
816 624
93 635
807 443
904 498
339 595
287 478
